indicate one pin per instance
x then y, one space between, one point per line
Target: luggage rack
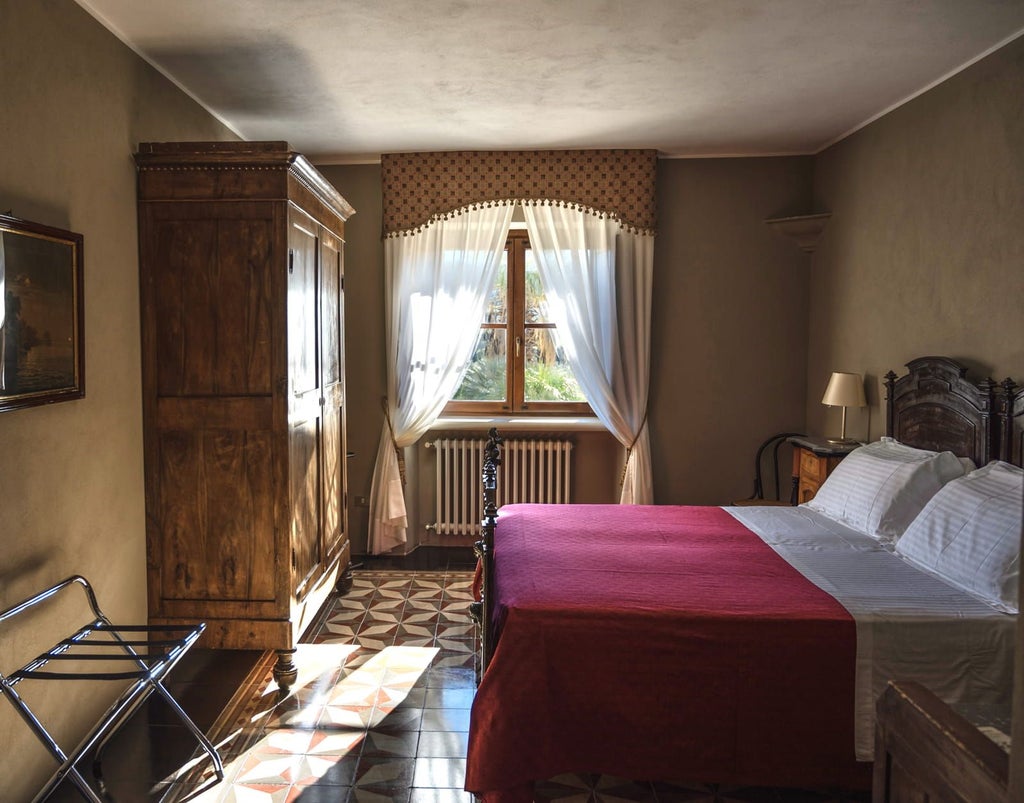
101 650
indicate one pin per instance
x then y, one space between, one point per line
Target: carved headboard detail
935 407
1011 420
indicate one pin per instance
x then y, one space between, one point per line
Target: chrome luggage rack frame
101 650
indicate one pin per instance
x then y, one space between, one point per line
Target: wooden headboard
935 407
1011 421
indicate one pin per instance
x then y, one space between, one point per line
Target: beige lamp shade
844 390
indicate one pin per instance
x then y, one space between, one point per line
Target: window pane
497 301
536 304
485 377
547 374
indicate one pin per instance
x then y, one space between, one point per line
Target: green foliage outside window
485 381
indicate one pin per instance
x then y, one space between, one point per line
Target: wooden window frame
515 327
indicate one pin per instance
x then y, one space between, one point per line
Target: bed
741 644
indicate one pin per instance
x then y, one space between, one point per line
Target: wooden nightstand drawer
812 467
813 461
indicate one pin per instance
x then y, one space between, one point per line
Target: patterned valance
419 187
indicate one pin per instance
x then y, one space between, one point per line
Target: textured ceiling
346 80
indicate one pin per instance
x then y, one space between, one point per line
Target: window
516 365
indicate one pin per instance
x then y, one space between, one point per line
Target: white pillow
879 488
969 534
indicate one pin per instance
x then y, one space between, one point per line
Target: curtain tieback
398 452
629 449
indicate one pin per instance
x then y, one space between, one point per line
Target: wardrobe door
332 278
305 424
206 282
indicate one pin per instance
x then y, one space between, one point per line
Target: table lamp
844 390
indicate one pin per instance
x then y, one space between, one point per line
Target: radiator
531 470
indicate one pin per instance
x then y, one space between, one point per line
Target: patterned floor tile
283 740
318 793
327 638
354 692
399 720
392 607
464 630
440 796
442 744
345 615
415 631
419 616
336 742
445 697
400 744
445 719
456 645
282 769
564 789
385 774
424 604
346 716
347 603
297 718
440 773
373 796
399 582
390 698
378 629
257 793
456 660
343 630
609 789
456 677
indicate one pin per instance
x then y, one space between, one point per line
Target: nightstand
813 461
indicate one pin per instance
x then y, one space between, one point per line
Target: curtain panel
421 187
598 279
435 281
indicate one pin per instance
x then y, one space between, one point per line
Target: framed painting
42 355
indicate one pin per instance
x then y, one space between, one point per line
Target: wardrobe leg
285 670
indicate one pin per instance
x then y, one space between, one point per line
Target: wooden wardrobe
243 389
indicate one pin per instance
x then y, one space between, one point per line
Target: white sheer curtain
436 285
597 277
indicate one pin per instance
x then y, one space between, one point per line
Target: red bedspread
658 643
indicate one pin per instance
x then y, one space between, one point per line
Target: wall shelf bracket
804 230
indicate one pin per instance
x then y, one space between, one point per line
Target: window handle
519 346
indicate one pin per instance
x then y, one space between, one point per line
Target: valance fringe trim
604 214
587 210
419 187
450 215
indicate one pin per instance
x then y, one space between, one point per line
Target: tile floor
380 712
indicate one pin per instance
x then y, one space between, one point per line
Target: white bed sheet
911 625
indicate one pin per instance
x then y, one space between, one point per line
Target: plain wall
924 252
728 340
75 104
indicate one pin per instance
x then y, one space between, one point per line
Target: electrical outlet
362 501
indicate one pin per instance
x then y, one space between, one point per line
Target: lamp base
842 441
